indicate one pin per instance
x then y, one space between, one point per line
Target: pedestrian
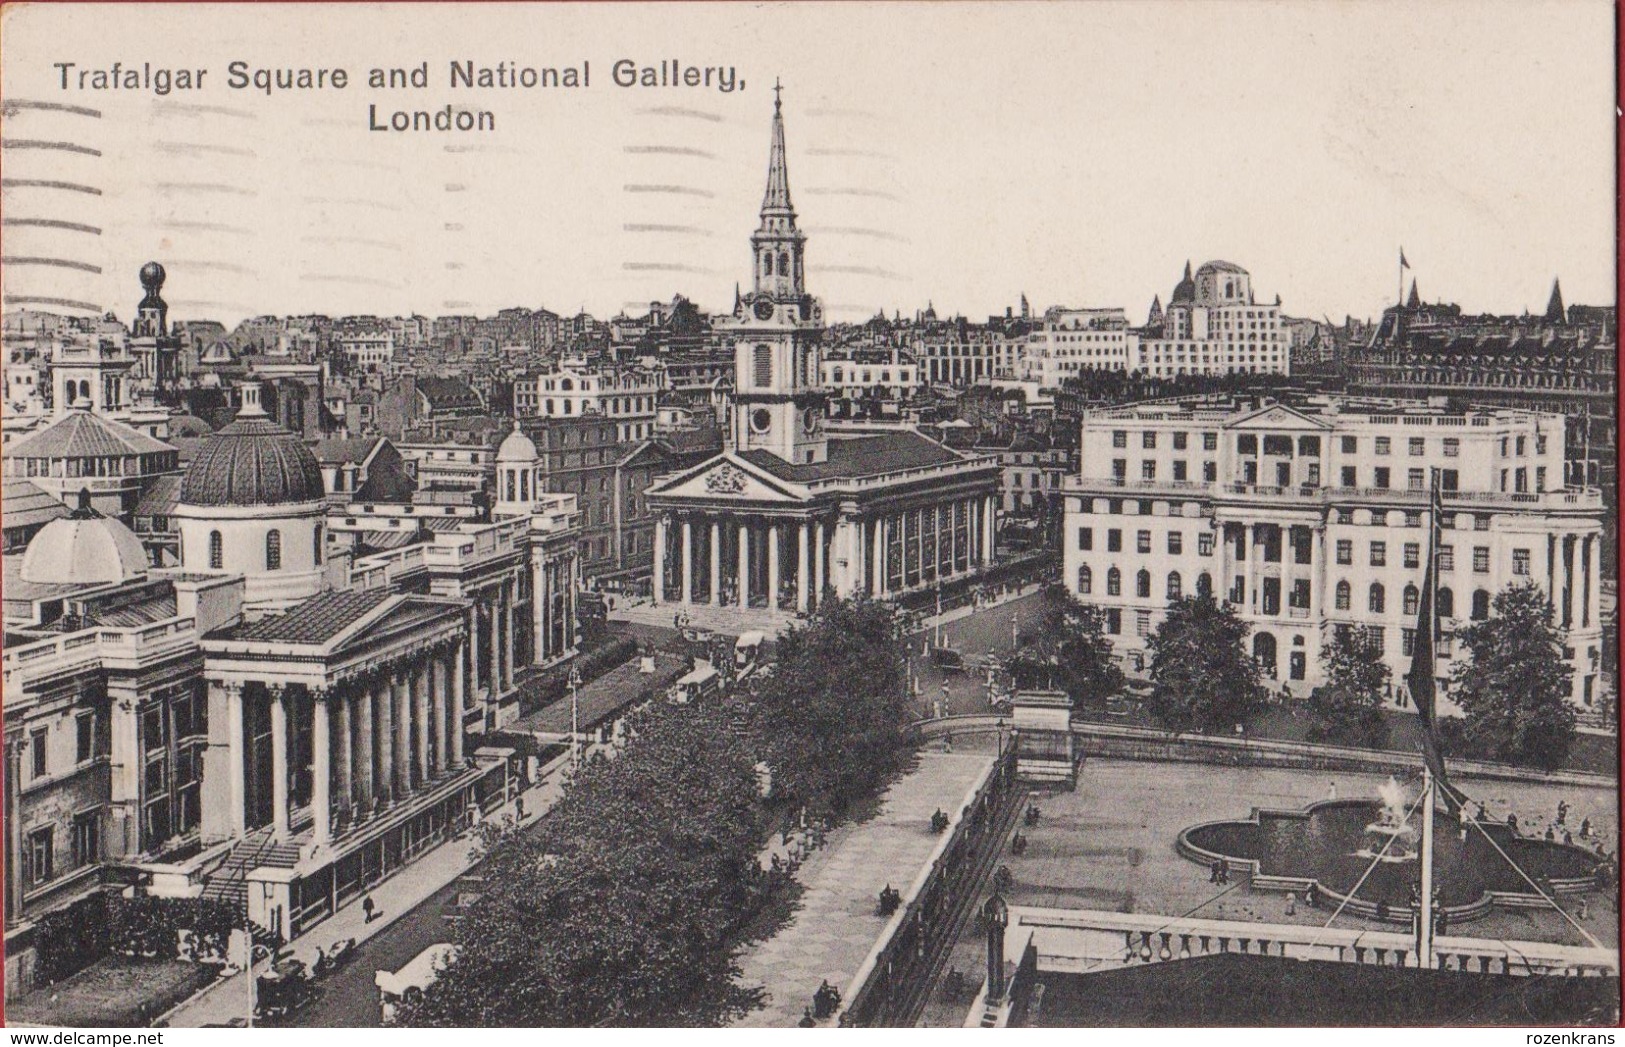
1585 828
1331 791
1562 811
1291 904
519 808
1583 909
1311 897
368 909
1551 837
1213 874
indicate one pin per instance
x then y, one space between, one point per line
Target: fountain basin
1323 844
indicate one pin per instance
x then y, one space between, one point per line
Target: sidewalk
227 999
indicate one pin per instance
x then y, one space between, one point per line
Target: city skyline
1094 160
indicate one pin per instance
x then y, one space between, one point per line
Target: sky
964 155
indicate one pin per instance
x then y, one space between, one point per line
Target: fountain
1391 838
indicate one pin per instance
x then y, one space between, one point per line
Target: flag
1424 655
1402 263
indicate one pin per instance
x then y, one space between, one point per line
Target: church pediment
728 479
1278 417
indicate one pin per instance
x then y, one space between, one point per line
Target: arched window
767 264
316 539
273 550
1378 598
762 366
511 488
1343 595
1175 586
784 264
1142 583
1086 580
217 556
1447 604
1481 604
1204 584
1413 598
1114 582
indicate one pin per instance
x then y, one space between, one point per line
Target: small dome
152 277
1185 290
252 461
83 548
517 447
1220 266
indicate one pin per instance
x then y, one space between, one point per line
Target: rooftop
859 456
82 434
25 505
315 621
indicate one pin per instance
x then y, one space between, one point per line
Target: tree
1069 650
834 715
1349 703
1514 687
1201 674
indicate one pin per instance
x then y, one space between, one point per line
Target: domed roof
83 548
1185 290
1221 266
517 447
152 276
252 461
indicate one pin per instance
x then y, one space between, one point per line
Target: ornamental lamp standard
575 716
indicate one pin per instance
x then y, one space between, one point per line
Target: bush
554 683
71 939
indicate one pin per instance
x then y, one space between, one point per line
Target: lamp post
575 717
997 916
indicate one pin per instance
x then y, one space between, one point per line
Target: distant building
1213 325
625 397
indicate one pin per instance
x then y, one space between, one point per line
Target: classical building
1314 515
789 511
623 396
1213 325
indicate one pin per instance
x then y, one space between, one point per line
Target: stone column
803 566
321 770
510 607
419 682
457 708
346 775
385 729
1585 581
989 523
818 562
401 719
744 564
716 561
773 566
14 829
236 758
279 762
657 585
877 557
366 763
953 538
688 560
494 672
437 702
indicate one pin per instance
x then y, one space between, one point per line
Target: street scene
999 611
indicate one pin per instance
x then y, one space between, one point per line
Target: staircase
229 881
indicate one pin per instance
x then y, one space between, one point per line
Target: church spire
777 198
1555 312
1415 300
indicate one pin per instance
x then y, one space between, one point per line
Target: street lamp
575 716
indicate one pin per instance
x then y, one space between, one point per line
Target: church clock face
809 421
760 420
764 310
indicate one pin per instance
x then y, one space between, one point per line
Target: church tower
779 402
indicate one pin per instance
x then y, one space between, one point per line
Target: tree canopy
1068 650
1349 704
1514 686
1201 674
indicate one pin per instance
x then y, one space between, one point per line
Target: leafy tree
834 716
1201 674
1349 703
1069 650
1514 687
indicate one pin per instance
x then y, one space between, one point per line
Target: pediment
729 479
1278 417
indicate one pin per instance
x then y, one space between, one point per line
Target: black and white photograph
774 516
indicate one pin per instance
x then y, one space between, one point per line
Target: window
1148 469
1417 446
1522 445
217 555
1380 478
1452 447
1179 441
1378 636
1382 445
1299 596
1114 540
1119 438
762 367
36 752
1520 562
1204 545
1176 542
1481 559
1413 554
1148 440
1175 586
1114 582
1119 468
1142 542
1181 473
1379 554
1114 621
1351 444
1142 623
1210 441
1342 595
1481 523
273 550
1086 580
1415 479
1412 598
41 856
1540 444
1446 603
1345 551
316 542
1481 604
1520 481
1142 584
1540 478
1210 471
87 832
1204 584
1407 642
1086 538
85 737
1378 598
1348 479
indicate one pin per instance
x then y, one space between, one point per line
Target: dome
517 448
1185 290
152 276
1220 266
83 548
252 461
